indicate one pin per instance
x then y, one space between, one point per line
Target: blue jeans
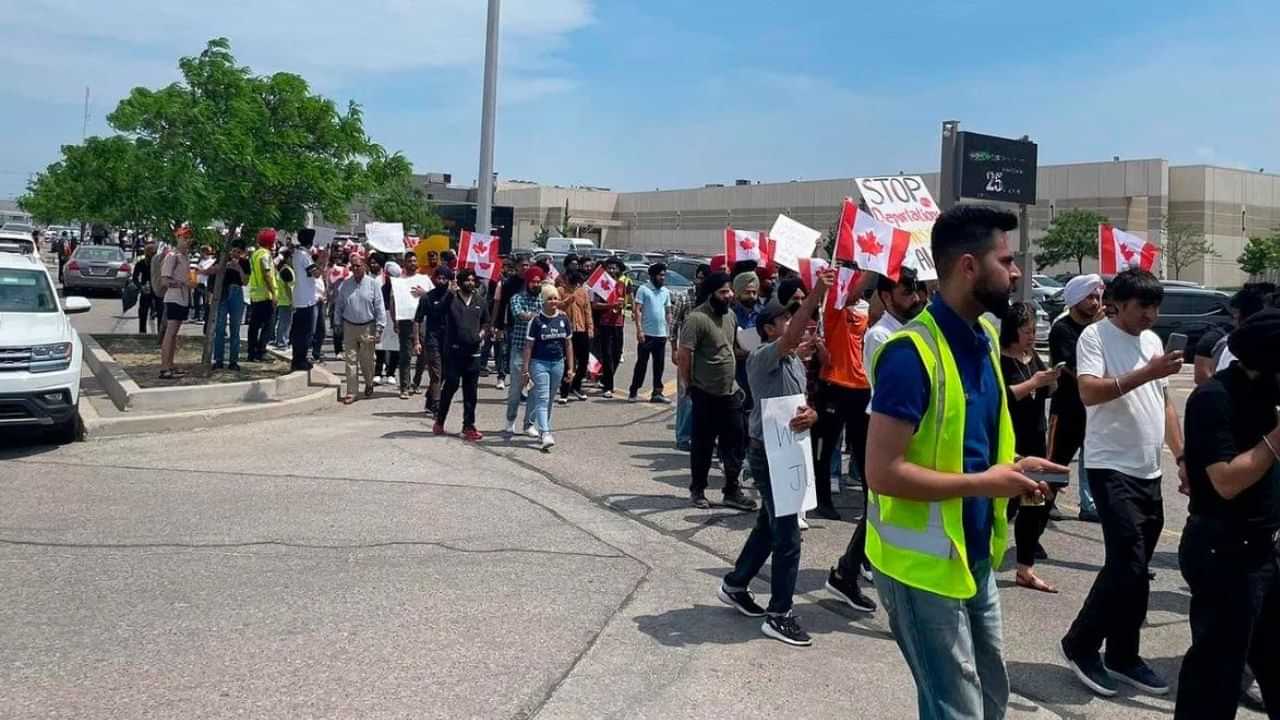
515 365
284 320
776 536
955 648
230 309
684 417
546 376
1082 482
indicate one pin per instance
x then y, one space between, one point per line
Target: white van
569 245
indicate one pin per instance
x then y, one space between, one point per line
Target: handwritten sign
385 237
793 241
904 202
402 291
790 457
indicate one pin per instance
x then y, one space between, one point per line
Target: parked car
1192 310
40 352
97 267
676 282
686 265
568 245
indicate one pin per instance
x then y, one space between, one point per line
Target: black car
1191 311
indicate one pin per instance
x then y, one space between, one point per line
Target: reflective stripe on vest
258 278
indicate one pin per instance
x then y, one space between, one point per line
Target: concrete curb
96 426
114 379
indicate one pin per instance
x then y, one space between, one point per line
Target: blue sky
658 93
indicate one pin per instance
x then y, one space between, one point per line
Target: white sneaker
511 428
835 485
502 384
532 431
803 525
548 442
562 401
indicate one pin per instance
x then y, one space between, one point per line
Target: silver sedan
97 267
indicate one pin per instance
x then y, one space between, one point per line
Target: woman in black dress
1029 384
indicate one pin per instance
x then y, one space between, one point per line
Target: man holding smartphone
1122 370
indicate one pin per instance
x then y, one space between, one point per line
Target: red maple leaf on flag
1127 252
480 248
746 243
483 267
868 243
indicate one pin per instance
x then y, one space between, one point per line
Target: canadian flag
411 242
743 245
480 253
1118 251
602 283
845 280
870 243
809 269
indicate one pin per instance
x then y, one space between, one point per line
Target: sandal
1034 583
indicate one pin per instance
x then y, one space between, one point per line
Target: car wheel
70 430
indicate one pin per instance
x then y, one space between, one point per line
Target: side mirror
75 305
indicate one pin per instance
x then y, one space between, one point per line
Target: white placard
792 241
748 338
790 456
904 202
385 237
325 236
402 291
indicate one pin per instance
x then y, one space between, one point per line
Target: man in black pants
1122 369
305 297
652 311
609 324
466 320
148 304
429 324
1066 413
707 367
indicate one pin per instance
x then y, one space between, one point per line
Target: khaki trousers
359 342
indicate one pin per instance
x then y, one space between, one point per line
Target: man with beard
466 318
902 301
706 364
511 286
1122 370
429 332
653 316
941 467
609 322
1083 296
1230 544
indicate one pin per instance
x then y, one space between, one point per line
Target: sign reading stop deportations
904 202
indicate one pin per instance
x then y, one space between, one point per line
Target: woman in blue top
547 354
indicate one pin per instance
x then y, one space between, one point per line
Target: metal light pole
484 204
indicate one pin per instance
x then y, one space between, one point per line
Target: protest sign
792 242
790 456
402 290
904 202
325 236
385 237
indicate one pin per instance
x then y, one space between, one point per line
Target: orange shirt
844 330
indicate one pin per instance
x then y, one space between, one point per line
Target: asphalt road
350 564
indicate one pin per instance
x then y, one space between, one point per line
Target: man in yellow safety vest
941 467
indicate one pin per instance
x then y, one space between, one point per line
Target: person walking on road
652 311
776 371
577 305
941 465
609 323
429 324
358 307
1083 296
466 315
1230 550
262 295
1122 369
548 358
707 366
524 306
684 405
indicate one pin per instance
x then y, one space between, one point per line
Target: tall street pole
484 204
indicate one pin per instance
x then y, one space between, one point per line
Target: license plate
101 270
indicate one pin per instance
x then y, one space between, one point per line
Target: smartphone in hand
1177 343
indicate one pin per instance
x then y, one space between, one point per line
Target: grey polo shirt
770 375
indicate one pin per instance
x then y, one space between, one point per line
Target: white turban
1080 287
393 269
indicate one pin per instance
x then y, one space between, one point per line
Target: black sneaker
1141 676
786 629
826 512
234 367
700 501
216 366
846 591
1091 672
737 499
633 396
741 600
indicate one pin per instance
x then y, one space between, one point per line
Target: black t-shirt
1063 337
1204 346
431 314
511 287
1225 417
1029 427
231 279
464 322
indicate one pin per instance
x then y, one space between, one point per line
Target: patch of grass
139 355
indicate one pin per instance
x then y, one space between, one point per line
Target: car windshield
1047 282
99 254
26 291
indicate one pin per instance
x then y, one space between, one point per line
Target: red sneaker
472 435
438 428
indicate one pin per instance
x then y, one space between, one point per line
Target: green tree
396 197
1073 235
1260 254
1185 246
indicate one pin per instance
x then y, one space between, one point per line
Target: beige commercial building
1140 196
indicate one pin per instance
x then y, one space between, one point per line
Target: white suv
40 352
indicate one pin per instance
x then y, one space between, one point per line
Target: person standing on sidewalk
941 465
577 305
148 301
323 293
652 312
1122 370
609 325
262 295
229 310
305 298
175 271
707 368
466 323
775 371
523 307
1083 296
547 353
358 307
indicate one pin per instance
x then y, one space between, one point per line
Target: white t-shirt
304 286
1127 434
871 342
1225 360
